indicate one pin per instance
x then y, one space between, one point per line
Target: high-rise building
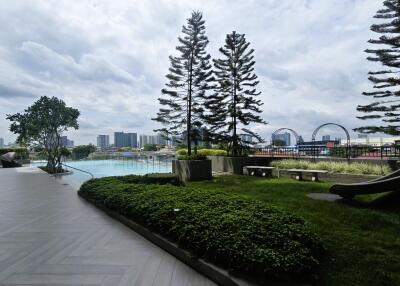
246 138
326 137
122 139
119 139
1 142
143 139
66 142
131 139
103 141
284 138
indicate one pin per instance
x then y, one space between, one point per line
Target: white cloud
109 58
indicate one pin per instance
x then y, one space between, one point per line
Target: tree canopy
43 124
385 107
235 103
187 82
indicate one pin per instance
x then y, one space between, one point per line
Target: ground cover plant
205 152
242 234
361 238
336 167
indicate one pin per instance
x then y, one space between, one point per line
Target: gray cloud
109 58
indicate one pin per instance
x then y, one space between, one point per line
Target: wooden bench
263 171
299 173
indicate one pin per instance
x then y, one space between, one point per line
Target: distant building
1 142
103 141
66 142
374 141
122 139
143 140
284 137
132 140
248 139
326 137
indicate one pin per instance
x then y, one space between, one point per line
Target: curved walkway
49 236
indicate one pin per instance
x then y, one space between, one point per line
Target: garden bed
245 236
334 167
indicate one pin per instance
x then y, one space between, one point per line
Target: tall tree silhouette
234 105
188 80
386 105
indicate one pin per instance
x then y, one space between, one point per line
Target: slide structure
389 183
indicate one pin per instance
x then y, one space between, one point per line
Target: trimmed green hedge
336 167
246 236
192 157
22 153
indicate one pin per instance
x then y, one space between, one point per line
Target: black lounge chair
389 183
8 160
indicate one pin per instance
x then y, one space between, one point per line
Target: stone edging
216 274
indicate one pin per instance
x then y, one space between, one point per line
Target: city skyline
115 81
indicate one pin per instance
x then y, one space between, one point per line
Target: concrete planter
192 170
234 165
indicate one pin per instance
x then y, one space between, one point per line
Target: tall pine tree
386 82
189 78
234 105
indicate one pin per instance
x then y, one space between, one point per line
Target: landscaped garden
335 167
264 227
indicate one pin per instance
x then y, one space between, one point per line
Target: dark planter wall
192 170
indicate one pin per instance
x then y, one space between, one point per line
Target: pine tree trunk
189 116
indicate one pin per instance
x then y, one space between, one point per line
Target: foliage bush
205 152
22 153
244 235
192 157
335 167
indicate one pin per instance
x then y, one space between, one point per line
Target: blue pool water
104 168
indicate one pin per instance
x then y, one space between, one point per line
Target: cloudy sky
109 58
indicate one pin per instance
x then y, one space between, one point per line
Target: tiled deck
49 236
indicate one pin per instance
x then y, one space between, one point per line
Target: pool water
104 168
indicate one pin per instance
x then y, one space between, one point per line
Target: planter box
192 170
234 165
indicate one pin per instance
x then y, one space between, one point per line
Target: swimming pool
104 168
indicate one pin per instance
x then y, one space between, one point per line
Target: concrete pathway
50 236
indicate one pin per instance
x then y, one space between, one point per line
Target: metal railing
78 170
351 152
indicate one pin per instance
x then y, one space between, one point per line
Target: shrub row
336 167
243 235
22 153
205 152
192 157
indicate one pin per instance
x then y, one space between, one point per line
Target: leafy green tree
150 147
234 105
188 80
83 151
43 124
386 81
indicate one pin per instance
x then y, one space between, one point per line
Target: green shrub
157 178
181 151
335 167
21 153
212 152
243 235
205 152
192 157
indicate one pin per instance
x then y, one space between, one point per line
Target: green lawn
363 242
